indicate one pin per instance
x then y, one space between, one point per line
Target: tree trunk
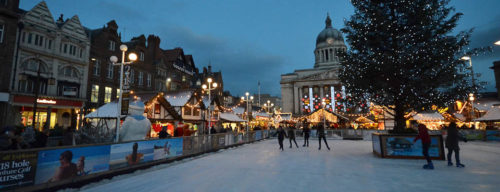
399 117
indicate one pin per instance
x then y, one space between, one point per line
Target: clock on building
329 41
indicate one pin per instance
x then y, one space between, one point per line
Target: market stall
433 120
230 120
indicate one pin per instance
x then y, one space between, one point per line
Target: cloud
242 64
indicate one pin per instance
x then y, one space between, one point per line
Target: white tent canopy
428 117
108 110
230 117
491 115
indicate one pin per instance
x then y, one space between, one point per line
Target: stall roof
179 98
435 116
485 104
261 114
239 110
491 115
106 111
230 117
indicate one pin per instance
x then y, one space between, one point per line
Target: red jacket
423 134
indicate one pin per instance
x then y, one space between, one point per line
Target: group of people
281 134
451 143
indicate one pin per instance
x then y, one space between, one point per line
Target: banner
404 146
17 169
492 135
167 148
126 154
60 164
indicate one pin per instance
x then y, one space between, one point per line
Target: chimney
496 70
209 69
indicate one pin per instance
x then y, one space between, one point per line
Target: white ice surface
350 166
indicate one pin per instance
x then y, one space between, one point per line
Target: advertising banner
492 135
166 148
404 146
17 169
126 154
60 164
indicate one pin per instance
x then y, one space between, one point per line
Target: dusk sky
258 39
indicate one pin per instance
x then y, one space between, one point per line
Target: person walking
281 136
291 136
452 144
306 132
423 135
321 134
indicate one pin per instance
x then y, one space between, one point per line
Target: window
65 48
110 71
132 76
49 46
141 57
81 53
23 37
94 97
187 110
111 45
2 29
28 85
117 93
107 94
97 67
39 40
183 78
148 80
140 78
70 72
30 36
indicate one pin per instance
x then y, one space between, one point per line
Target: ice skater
291 136
452 144
281 136
321 134
423 135
306 132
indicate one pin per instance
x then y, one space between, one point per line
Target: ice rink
349 166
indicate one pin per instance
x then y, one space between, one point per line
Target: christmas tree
403 55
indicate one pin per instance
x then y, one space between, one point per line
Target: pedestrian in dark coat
306 132
452 143
281 136
423 135
163 133
291 136
321 134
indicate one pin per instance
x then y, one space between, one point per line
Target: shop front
51 112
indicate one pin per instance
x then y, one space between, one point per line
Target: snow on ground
350 166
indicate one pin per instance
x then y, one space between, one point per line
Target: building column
296 103
300 100
321 94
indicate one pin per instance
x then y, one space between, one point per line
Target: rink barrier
34 169
397 146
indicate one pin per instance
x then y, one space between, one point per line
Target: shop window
107 94
196 112
94 97
157 108
2 29
187 110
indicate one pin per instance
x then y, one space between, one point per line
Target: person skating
306 131
281 136
423 135
291 136
452 144
321 134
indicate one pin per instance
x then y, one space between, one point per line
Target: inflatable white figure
135 126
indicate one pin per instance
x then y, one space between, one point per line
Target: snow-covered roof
486 104
239 110
492 114
230 117
428 117
261 114
179 99
106 111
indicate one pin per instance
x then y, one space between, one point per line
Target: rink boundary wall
191 146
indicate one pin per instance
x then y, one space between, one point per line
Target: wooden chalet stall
160 112
189 106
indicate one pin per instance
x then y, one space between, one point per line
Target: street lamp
132 57
471 95
168 83
268 105
324 117
248 116
211 86
497 43
471 99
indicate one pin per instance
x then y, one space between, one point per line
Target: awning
491 115
106 111
231 117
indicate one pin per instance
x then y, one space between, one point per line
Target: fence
339 133
47 168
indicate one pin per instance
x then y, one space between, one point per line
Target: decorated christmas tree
404 55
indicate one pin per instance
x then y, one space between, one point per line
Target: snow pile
106 111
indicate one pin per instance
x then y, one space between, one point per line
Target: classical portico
303 90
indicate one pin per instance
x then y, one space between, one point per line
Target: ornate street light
248 110
211 86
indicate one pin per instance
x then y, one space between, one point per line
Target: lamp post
471 95
168 83
324 117
248 111
132 57
211 86
497 43
268 105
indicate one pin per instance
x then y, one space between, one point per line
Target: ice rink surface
349 166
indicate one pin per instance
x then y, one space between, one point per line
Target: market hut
433 120
492 117
317 117
189 105
160 112
230 120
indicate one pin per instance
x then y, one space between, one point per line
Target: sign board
17 169
125 103
69 91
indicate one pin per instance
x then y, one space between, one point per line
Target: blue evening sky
254 40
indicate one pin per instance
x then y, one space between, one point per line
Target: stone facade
303 90
53 55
